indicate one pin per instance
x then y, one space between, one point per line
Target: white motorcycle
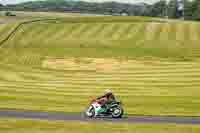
113 110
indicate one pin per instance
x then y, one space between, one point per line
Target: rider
107 99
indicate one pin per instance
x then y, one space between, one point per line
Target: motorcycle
113 110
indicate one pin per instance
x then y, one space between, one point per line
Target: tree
1 6
196 10
158 9
189 9
172 9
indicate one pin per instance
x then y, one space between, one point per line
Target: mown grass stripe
61 96
123 30
127 86
194 33
115 70
180 31
114 30
137 66
55 28
158 31
86 28
38 40
152 30
59 33
186 31
91 29
181 89
25 34
106 31
36 33
77 30
164 35
172 31
76 88
136 36
98 31
128 31
70 28
142 82
97 89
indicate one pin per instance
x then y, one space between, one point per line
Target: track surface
6 20
70 117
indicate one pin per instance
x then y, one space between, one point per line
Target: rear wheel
90 112
117 112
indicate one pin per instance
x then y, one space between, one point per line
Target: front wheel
90 112
117 112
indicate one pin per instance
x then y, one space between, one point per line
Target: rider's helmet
108 92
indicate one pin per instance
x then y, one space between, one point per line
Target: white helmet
108 91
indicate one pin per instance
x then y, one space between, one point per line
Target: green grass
36 126
152 66
126 37
146 87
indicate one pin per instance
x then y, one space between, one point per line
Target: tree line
107 8
191 9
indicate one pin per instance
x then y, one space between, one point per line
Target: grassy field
36 126
151 65
127 37
5 30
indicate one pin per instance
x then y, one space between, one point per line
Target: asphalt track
80 117
6 20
